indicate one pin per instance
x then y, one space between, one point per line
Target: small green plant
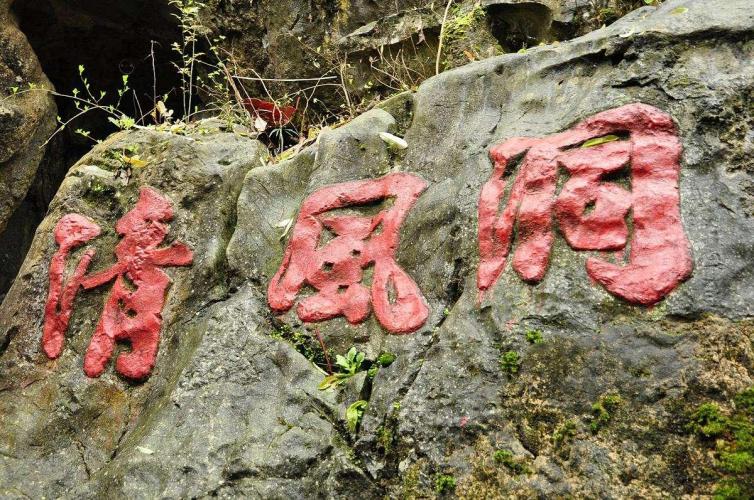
386 359
96 187
603 409
351 362
386 431
729 490
349 365
354 414
445 483
86 100
192 32
385 437
303 343
126 158
202 73
563 433
745 401
383 360
460 22
733 440
708 421
534 337
510 362
506 458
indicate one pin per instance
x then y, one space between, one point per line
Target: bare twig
154 78
324 350
343 67
442 34
259 79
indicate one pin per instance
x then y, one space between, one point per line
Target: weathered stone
84 420
367 49
27 120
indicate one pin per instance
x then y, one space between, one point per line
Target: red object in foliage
335 268
269 111
659 257
133 310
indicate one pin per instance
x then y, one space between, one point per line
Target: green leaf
386 359
127 122
135 161
600 140
328 382
354 413
81 69
341 362
679 10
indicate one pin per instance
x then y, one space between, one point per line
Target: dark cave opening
520 25
109 38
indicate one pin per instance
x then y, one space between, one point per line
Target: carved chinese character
334 268
133 309
590 210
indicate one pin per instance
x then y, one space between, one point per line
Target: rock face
199 175
549 386
27 119
364 49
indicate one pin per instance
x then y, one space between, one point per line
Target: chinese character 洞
330 248
133 309
591 211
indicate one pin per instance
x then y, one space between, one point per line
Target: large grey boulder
599 401
59 426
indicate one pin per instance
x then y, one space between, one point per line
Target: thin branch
154 78
286 79
442 34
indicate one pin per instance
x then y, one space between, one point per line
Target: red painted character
133 309
335 268
591 211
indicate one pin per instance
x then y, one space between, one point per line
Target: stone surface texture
365 50
27 120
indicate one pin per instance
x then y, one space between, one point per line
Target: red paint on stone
133 309
72 231
270 112
335 268
659 257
